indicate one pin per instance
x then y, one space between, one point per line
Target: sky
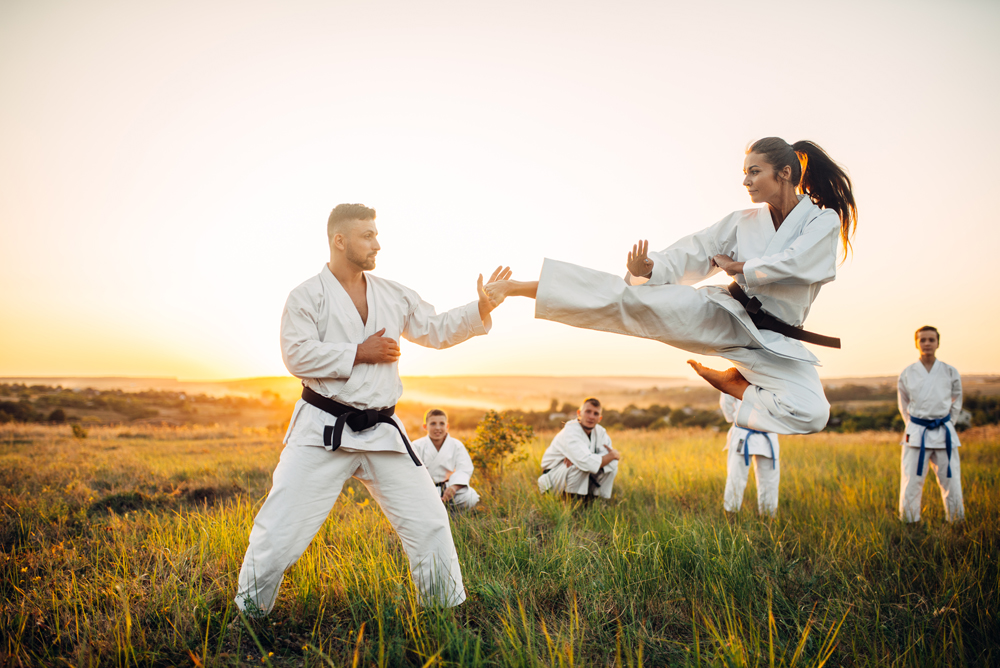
166 169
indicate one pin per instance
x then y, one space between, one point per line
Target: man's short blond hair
345 213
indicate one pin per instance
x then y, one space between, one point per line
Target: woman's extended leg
781 395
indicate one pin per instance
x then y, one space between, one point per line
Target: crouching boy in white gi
339 333
580 459
744 444
447 461
930 400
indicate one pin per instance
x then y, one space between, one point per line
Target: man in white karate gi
580 460
745 445
447 461
930 400
339 333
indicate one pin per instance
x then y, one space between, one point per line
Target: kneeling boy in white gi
580 459
447 461
930 400
339 333
742 445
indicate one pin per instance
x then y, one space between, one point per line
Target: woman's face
763 184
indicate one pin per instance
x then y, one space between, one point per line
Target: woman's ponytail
829 186
817 175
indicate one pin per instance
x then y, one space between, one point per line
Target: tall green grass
123 549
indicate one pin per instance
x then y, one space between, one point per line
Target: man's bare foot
729 382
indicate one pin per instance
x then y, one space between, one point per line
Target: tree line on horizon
54 405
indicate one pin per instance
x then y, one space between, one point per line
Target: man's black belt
355 418
765 320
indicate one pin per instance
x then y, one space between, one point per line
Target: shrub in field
79 432
498 438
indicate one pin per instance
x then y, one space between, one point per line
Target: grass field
123 549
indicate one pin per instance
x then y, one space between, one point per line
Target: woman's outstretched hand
638 264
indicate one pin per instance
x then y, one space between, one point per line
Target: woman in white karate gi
930 401
744 446
780 255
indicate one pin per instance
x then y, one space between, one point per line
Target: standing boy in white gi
580 460
930 399
339 333
447 461
744 444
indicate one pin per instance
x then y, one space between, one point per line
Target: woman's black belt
765 320
355 418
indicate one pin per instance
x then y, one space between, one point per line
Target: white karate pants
572 480
911 486
768 474
785 396
307 482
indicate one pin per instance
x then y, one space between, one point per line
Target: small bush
498 438
79 431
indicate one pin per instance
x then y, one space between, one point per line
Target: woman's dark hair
815 174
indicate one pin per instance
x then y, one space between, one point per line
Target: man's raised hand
638 263
377 349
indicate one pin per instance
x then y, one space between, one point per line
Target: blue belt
746 446
932 424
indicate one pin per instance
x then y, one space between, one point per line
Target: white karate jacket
930 395
785 268
452 459
739 438
320 333
574 444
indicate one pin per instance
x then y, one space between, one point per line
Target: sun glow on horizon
158 203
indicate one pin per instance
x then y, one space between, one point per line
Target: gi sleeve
956 395
904 397
304 354
689 260
810 259
424 326
576 448
463 466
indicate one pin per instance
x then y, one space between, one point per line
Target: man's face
437 427
589 415
361 243
927 342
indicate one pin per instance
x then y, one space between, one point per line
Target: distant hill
501 392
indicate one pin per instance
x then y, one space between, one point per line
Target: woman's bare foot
729 382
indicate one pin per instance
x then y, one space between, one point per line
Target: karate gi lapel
433 454
344 309
754 235
921 395
358 331
790 226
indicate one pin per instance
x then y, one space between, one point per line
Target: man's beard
366 262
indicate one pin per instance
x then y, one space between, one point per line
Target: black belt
765 320
356 418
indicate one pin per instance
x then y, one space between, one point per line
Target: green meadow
122 549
